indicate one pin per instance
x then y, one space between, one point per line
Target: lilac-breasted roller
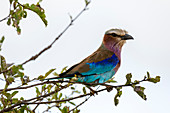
103 63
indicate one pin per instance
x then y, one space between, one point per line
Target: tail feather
61 77
68 76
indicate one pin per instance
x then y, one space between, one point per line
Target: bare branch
5 18
49 46
8 14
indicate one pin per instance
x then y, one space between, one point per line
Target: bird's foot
109 88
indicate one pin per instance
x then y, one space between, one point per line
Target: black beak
127 37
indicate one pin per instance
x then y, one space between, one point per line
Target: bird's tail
61 77
67 76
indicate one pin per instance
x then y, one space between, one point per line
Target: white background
148 21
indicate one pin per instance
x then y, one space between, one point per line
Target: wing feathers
98 62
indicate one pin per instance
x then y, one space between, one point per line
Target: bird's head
114 39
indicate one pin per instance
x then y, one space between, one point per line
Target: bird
101 65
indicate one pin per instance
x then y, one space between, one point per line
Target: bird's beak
127 37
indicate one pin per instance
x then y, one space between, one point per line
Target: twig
79 104
5 18
37 104
8 14
60 81
48 102
49 46
25 101
57 101
49 108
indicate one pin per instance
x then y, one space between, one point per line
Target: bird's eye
114 35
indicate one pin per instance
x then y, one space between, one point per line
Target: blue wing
98 66
102 66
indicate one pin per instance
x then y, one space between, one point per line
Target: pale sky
148 21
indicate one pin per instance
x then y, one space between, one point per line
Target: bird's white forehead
117 31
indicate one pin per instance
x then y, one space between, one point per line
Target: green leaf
14 100
148 75
111 81
38 10
65 109
72 103
43 87
40 77
24 14
20 67
22 98
15 69
154 80
3 101
60 95
136 82
84 90
87 2
14 93
49 72
10 1
8 95
119 93
73 88
18 30
55 96
128 77
3 65
116 101
1 41
140 91
76 92
157 78
76 111
71 18
37 91
64 69
49 88
10 79
55 74
22 109
40 1
9 21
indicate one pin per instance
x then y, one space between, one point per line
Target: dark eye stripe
114 35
